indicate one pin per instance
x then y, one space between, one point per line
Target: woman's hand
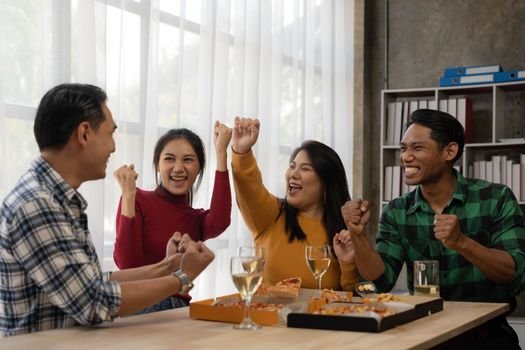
245 134
126 177
221 137
343 247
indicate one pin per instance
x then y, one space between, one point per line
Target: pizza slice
286 288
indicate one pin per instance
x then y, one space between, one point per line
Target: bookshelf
492 115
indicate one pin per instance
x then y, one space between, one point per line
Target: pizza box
208 310
412 308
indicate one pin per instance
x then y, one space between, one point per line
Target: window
181 64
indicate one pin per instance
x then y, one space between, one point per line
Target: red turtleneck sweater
158 214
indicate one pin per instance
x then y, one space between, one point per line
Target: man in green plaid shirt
475 229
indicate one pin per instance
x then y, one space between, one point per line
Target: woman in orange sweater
309 214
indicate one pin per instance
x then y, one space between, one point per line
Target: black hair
63 108
445 128
196 143
331 172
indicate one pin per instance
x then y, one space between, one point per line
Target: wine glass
318 261
252 251
247 274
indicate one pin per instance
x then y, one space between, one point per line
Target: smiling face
304 187
102 144
422 160
178 166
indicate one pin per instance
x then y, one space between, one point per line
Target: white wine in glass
247 274
318 261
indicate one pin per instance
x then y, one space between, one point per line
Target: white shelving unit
495 110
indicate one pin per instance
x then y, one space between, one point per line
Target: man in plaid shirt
472 227
50 273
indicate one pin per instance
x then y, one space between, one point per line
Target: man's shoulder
28 189
487 188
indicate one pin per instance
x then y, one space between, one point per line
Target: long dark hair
196 143
331 172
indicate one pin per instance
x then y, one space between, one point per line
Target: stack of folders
502 169
479 75
398 113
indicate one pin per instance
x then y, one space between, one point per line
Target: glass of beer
426 278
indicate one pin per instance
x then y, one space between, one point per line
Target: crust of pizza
286 288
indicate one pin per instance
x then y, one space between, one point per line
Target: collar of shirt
61 190
460 194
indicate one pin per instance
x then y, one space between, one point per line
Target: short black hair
63 108
331 172
196 143
445 128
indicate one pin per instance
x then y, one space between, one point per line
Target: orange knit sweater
259 209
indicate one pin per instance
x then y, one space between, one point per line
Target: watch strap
185 283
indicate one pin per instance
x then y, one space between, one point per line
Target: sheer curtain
181 63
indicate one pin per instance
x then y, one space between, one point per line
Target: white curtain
181 63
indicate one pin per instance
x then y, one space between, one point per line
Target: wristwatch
185 283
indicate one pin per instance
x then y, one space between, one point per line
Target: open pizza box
410 308
228 308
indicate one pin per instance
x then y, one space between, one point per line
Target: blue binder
509 76
467 79
470 70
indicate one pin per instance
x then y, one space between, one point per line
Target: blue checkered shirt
50 273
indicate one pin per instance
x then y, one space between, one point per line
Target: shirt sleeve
217 219
508 234
349 275
390 248
46 243
128 251
258 207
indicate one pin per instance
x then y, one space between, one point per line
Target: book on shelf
432 104
502 77
496 169
387 184
476 170
452 107
512 139
490 171
398 120
464 115
515 187
413 106
389 139
483 170
396 181
503 170
508 173
470 70
423 104
467 80
443 105
404 120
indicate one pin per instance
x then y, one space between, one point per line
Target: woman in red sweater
147 219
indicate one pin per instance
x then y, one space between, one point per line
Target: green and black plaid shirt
487 213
